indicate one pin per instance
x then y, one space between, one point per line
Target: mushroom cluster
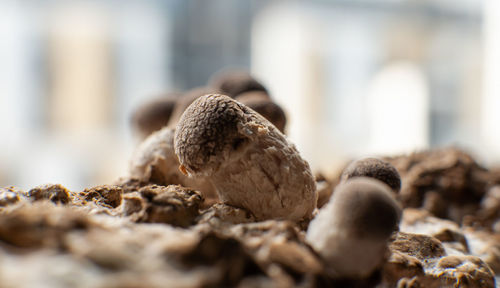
217 196
154 160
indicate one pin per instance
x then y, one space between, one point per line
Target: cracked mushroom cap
153 115
261 103
235 82
251 164
374 168
352 230
208 131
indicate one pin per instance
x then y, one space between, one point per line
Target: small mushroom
261 103
153 115
352 230
249 161
154 161
374 168
235 82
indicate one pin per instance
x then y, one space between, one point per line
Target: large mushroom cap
374 168
208 131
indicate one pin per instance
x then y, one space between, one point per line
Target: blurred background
355 77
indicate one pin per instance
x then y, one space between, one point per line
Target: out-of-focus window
355 77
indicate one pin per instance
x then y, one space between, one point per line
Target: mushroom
249 161
374 168
185 100
261 103
154 161
153 115
235 82
351 231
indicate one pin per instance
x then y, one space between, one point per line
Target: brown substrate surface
137 235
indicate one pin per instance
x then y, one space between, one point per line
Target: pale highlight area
397 106
285 52
80 64
490 104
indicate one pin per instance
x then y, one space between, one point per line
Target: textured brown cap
374 168
208 129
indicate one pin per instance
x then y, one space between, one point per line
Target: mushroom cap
186 99
261 103
374 168
366 207
235 82
153 115
208 132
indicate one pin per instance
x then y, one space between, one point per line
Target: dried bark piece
250 163
422 247
108 195
259 235
422 222
227 257
410 255
488 215
456 180
221 214
9 196
448 271
401 266
295 256
485 245
53 192
39 225
373 168
435 203
173 204
461 271
352 230
280 248
154 162
133 203
129 184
